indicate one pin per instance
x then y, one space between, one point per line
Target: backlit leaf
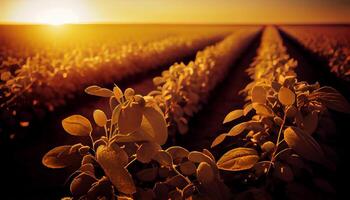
218 140
118 93
263 110
100 118
258 94
332 99
233 115
115 171
238 159
60 157
238 129
163 158
286 96
188 168
205 173
130 118
98 91
154 125
77 125
303 144
147 151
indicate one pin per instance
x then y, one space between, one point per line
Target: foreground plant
278 142
125 159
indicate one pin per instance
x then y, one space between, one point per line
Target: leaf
154 125
129 93
218 140
61 157
268 146
177 153
147 151
115 114
100 118
81 184
158 80
77 125
286 96
233 115
332 99
98 91
303 144
163 158
247 109
188 168
238 159
198 157
238 129
258 94
118 93
205 173
130 118
115 171
311 122
263 110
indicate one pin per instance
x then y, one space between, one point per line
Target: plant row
331 43
125 160
183 89
46 82
279 141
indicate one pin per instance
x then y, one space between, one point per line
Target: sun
58 17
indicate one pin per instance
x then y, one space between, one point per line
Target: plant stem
277 142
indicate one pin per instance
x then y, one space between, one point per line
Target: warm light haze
173 11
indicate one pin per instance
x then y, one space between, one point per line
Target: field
173 111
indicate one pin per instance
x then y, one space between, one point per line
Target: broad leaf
218 140
303 144
263 110
205 173
238 159
286 96
77 125
130 118
115 171
233 115
154 125
100 118
147 151
332 99
258 94
98 91
60 157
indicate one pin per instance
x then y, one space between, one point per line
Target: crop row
126 143
331 44
276 148
183 89
50 81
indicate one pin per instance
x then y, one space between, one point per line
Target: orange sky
174 11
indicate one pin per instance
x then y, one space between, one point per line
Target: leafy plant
284 114
131 141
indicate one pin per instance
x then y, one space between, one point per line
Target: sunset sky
174 11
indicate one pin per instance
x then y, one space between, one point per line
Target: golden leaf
100 118
233 115
238 159
286 96
77 125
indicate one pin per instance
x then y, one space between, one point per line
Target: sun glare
57 17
